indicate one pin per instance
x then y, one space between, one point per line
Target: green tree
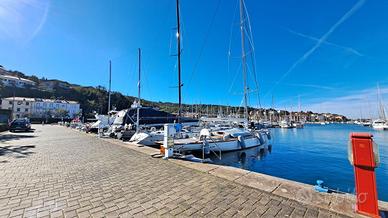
61 113
34 79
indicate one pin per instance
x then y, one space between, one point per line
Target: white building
21 106
15 81
39 108
43 106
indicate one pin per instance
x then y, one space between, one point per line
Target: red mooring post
363 154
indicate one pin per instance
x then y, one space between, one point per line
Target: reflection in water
244 159
314 152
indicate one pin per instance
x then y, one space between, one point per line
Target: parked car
20 125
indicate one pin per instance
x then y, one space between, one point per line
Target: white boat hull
148 139
224 146
380 125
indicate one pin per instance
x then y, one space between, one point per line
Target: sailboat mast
381 104
138 95
243 66
139 77
179 62
299 108
110 83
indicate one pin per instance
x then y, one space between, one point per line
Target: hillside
96 99
90 98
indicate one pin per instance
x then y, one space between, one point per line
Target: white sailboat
298 123
225 140
143 137
235 138
381 123
286 123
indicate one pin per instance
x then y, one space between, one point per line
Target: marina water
314 152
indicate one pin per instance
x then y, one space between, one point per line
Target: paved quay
59 172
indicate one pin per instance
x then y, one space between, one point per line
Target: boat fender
261 138
268 135
206 147
204 133
178 127
241 141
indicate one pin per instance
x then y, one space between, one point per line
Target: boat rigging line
204 43
246 35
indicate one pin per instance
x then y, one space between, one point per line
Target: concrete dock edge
300 192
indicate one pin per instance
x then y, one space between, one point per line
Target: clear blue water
314 152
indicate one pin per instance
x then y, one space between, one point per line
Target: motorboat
149 138
366 123
380 124
285 124
103 122
298 125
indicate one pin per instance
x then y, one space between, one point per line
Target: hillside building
11 81
40 108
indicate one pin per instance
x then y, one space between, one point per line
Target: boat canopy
147 116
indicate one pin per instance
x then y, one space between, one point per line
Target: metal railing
205 143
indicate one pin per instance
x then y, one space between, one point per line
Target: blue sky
330 53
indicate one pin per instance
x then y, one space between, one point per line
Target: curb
342 204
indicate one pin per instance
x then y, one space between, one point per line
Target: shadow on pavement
22 151
14 136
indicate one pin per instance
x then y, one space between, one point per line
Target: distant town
29 96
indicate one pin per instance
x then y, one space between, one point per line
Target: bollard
363 155
168 141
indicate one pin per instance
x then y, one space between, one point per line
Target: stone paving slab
59 172
337 203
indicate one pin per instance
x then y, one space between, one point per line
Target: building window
20 103
26 110
10 102
27 103
18 109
